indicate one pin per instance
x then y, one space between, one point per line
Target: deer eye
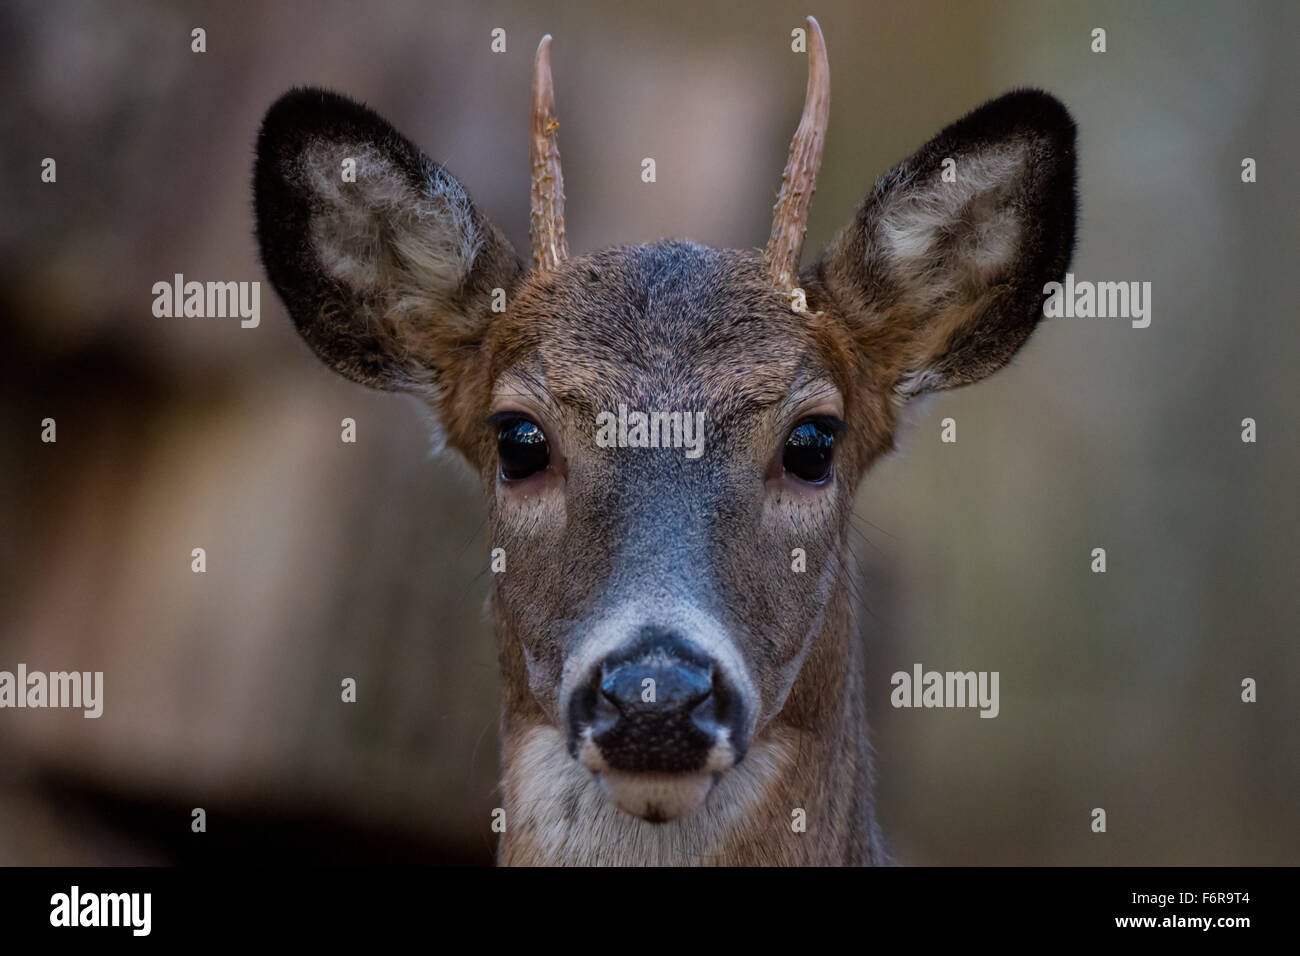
521 446
808 450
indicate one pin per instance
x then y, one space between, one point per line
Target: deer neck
801 796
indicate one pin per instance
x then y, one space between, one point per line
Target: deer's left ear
941 273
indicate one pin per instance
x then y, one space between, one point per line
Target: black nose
657 704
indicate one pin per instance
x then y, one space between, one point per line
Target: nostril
608 710
717 706
704 712
723 696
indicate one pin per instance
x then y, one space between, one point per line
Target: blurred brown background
328 560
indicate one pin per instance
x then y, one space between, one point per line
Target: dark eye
521 447
808 450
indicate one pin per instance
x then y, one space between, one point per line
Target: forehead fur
670 322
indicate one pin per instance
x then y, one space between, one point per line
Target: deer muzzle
658 720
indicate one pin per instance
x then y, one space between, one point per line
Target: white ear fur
379 236
940 237
940 273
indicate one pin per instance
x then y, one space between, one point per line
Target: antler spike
790 214
546 210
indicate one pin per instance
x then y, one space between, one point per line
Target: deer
676 690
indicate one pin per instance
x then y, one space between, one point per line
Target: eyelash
835 426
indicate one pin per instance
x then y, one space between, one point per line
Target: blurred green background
328 560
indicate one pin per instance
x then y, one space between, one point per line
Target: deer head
651 626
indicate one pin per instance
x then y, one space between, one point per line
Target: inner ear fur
389 278
941 282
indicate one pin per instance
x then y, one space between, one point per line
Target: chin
658 797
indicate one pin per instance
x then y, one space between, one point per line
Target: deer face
665 578
651 588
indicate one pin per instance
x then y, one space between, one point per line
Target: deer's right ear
382 260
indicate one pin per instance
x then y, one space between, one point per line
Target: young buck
682 678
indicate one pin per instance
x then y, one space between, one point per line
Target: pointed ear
381 258
941 273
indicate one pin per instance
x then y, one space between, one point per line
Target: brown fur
932 285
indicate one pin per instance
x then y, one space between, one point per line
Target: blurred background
328 560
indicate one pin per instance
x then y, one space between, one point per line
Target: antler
790 214
546 210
